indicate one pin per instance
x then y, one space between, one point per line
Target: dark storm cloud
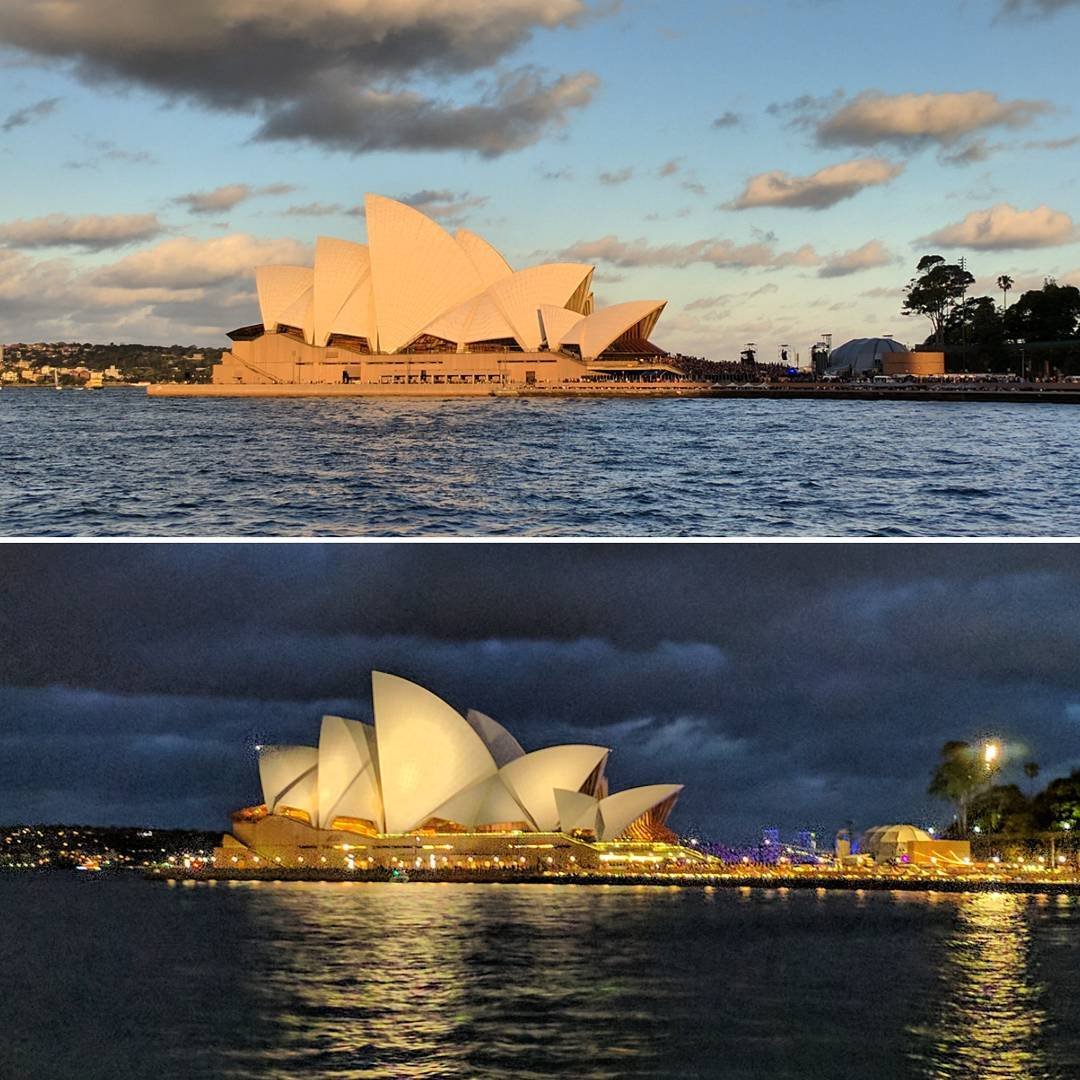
343 76
789 684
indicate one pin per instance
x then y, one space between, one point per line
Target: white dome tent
862 356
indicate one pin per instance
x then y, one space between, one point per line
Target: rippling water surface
117 462
124 978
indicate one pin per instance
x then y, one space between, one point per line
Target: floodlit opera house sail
425 786
418 305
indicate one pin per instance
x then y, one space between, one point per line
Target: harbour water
115 977
119 463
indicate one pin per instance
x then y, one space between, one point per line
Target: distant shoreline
689 881
808 391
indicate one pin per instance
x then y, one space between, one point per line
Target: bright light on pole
991 752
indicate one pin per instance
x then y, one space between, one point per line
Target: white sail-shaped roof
532 779
596 332
487 803
619 810
348 772
503 746
340 266
555 323
519 295
289 777
419 271
281 766
477 319
489 263
279 287
422 760
301 314
357 315
577 810
427 751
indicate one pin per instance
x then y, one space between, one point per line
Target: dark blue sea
117 978
116 462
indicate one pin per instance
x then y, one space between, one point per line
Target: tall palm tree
1005 283
1031 770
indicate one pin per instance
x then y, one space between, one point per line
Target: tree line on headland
1004 814
1037 334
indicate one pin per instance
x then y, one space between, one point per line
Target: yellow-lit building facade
417 306
426 787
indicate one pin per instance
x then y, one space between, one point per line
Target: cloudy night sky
782 684
774 169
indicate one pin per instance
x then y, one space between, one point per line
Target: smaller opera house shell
427 786
419 305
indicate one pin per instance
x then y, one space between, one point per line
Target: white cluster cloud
186 263
227 196
909 120
91 232
868 257
1004 228
819 190
345 74
720 253
178 289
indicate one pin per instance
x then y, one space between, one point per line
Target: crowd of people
697 367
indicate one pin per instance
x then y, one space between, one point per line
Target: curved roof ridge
427 751
490 263
419 270
596 332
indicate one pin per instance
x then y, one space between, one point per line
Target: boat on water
399 877
56 380
96 381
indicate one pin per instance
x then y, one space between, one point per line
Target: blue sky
556 128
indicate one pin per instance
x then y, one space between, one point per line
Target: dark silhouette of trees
1004 283
1058 807
958 777
935 289
1051 313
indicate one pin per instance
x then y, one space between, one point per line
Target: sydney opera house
427 787
418 306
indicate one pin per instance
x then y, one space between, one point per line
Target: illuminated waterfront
297 979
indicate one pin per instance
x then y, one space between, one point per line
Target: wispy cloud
29 114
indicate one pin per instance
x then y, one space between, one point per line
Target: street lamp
991 753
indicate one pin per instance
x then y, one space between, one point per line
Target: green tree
934 290
1051 313
1058 806
1001 808
977 323
958 777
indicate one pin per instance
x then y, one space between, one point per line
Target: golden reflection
992 1018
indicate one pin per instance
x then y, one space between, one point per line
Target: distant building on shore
427 787
910 845
867 357
417 305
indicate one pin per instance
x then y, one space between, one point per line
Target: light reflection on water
118 977
992 1020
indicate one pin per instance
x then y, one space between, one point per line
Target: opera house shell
427 785
416 304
